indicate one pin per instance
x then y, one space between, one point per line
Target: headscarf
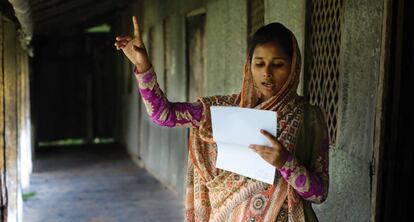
250 94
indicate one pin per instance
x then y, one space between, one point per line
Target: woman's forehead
269 50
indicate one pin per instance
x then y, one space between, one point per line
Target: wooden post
3 197
10 116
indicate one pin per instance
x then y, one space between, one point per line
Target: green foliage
27 196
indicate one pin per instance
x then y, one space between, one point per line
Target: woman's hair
272 33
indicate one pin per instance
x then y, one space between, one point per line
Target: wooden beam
63 8
39 8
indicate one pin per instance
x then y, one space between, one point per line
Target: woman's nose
267 74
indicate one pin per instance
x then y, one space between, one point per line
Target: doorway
394 152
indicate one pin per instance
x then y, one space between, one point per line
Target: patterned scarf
218 195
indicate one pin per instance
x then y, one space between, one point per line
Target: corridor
96 183
63 81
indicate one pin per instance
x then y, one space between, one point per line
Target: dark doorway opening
74 87
397 162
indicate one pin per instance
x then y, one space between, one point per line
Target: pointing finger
137 32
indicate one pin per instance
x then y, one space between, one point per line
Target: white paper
234 129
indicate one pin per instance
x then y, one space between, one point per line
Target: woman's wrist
142 67
283 157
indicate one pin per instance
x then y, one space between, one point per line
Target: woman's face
270 67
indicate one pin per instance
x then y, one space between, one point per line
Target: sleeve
161 111
310 185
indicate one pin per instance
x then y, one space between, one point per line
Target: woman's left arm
312 186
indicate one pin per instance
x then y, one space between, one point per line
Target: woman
299 151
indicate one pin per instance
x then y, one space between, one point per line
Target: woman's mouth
268 85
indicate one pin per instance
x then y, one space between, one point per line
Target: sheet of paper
234 129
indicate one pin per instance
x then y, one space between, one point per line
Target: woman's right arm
160 110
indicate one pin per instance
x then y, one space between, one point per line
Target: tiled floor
96 184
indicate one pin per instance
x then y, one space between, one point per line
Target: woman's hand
276 154
133 48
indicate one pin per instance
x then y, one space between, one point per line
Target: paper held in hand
234 129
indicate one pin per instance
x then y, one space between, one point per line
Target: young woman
299 151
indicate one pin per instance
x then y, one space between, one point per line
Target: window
325 38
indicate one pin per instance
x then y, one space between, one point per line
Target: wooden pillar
3 197
24 149
10 116
15 127
24 126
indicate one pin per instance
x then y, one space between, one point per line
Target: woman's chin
268 93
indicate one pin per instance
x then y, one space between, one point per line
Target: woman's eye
278 65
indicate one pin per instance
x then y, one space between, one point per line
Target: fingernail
251 146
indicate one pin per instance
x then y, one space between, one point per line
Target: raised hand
134 48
